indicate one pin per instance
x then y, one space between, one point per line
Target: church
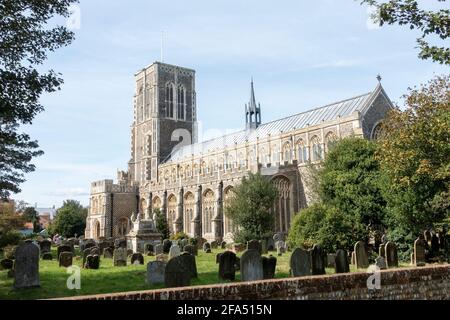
190 182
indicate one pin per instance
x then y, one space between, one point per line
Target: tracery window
169 100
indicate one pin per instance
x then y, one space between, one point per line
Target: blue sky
301 54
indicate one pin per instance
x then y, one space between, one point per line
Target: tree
25 40
161 224
430 23
414 155
70 219
10 222
31 215
250 208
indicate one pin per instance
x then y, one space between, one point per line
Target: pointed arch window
287 152
331 140
316 149
181 102
169 100
302 151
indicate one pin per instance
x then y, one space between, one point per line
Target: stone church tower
164 118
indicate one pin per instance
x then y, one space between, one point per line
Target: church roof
298 121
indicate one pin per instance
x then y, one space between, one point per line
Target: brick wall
431 282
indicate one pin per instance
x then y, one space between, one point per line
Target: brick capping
430 282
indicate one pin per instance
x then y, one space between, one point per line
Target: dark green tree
250 208
430 23
161 224
31 215
70 219
26 38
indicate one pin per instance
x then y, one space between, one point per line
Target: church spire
252 111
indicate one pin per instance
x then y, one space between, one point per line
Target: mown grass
110 279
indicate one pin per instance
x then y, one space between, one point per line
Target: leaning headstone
251 266
341 261
189 260
26 266
380 262
269 266
92 262
227 265
6 264
137 258
391 257
63 248
361 259
317 260
177 273
159 249
166 245
419 252
47 256
65 259
108 253
206 246
174 251
45 245
120 257
191 249
155 272
254 245
300 263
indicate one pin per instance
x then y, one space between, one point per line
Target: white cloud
341 63
69 193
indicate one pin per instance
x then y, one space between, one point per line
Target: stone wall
431 282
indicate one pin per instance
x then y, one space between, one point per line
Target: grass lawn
109 279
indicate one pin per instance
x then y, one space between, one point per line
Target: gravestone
63 248
47 256
120 243
331 258
218 257
86 252
270 245
137 258
300 263
206 246
189 261
149 249
281 247
318 260
223 245
65 259
434 245
92 262
46 246
108 253
251 266
26 266
200 242
442 241
361 259
353 258
191 249
381 250
263 244
391 257
177 273
208 251
6 264
174 251
341 262
155 272
419 252
214 244
254 245
129 253
159 249
90 244
278 237
227 266
120 257
95 251
380 262
166 245
269 267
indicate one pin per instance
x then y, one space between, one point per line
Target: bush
179 236
9 251
12 237
304 231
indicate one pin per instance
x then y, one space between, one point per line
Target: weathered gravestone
65 259
227 265
86 252
149 249
281 247
183 243
206 246
166 245
92 262
191 249
263 244
300 263
95 251
88 244
6 264
254 245
353 258
391 256
380 262
120 243
189 260
270 244
155 272
26 266
419 252
331 258
63 248
108 253
46 246
251 266
361 259
218 257
269 266
159 249
318 260
434 245
174 251
120 257
223 245
341 261
177 273
47 256
137 258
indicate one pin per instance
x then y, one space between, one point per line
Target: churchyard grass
109 279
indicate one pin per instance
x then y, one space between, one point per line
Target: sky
301 54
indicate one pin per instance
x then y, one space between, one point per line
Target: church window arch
170 100
377 132
287 152
181 102
316 149
330 140
171 211
208 210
